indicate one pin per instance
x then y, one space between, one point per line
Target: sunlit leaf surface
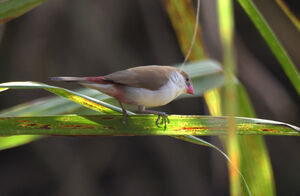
3 89
71 95
13 141
138 125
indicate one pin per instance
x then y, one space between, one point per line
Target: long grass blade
71 95
226 26
3 89
289 13
17 140
74 125
183 21
274 44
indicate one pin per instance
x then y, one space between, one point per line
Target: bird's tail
82 80
97 83
68 79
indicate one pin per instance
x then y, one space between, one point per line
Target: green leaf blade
73 96
274 44
100 125
13 141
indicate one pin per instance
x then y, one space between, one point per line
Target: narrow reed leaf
229 95
86 101
13 141
274 44
289 13
99 125
3 89
182 16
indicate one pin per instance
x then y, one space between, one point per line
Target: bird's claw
164 119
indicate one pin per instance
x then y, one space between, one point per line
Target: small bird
143 86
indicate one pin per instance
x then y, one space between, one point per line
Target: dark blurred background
95 37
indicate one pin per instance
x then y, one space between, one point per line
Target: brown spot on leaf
35 125
268 130
79 126
193 128
200 128
108 127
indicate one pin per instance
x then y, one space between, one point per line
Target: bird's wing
150 77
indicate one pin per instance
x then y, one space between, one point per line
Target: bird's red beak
190 89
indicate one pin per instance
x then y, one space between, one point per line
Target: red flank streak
99 80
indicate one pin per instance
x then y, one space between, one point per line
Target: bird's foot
161 115
164 119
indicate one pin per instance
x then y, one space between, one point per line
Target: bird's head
187 83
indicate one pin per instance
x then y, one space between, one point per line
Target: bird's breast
151 98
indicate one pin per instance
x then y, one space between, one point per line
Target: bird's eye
187 79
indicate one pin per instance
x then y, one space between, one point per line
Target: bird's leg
124 113
162 115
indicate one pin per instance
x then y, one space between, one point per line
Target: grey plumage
68 79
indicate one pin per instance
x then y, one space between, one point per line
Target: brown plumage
150 77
